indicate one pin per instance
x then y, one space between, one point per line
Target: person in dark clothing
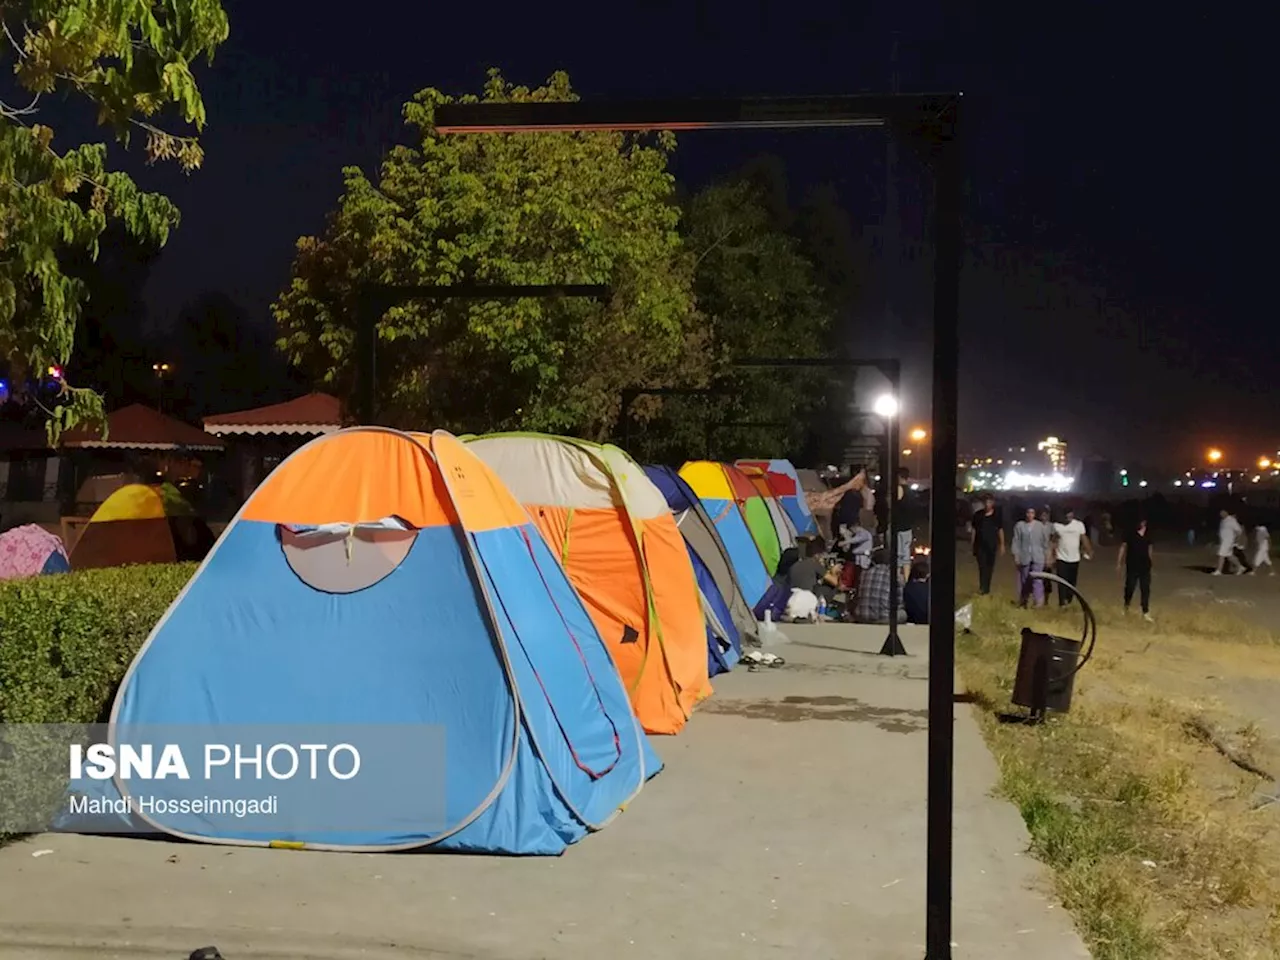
904 518
987 538
811 573
915 595
1135 561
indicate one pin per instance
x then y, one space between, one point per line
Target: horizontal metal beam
489 291
857 110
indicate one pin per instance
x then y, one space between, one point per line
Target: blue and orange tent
785 482
376 582
725 609
711 485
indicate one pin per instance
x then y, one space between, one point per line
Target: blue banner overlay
347 785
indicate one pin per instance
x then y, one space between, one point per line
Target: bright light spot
1142 483
906 453
55 372
1208 484
886 406
915 486
1013 480
918 435
1177 483
1124 473
1264 463
1214 455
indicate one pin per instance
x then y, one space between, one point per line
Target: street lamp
1264 463
1214 455
161 371
886 406
919 435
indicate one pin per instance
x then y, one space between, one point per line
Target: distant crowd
1041 543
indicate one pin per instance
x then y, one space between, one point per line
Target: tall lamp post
886 407
161 370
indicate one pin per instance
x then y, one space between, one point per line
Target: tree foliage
130 60
762 298
222 361
591 207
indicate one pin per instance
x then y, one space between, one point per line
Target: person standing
903 519
1030 553
1229 530
1262 550
1073 543
986 536
1135 562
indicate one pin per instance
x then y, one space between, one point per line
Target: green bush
67 639
65 643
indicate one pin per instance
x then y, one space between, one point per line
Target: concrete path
790 822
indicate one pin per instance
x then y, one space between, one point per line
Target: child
1262 552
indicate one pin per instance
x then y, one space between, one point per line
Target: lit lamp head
886 406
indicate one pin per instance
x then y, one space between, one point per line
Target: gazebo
142 444
260 438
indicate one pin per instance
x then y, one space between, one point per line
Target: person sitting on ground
915 595
872 605
812 574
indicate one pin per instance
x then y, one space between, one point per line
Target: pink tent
30 550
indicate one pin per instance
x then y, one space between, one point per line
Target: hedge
67 639
65 643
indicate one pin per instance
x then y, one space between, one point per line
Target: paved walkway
790 822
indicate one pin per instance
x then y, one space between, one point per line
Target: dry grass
1153 835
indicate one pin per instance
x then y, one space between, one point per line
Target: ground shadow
1199 567
795 709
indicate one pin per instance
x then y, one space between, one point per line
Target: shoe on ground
1149 618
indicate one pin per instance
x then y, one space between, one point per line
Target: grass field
1162 843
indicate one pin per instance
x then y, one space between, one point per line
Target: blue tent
386 592
727 612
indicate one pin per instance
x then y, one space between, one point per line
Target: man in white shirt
1229 531
1072 542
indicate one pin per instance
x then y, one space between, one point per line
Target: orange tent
619 543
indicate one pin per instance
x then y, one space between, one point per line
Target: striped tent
619 543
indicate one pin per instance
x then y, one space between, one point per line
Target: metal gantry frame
930 122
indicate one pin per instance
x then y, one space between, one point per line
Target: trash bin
1048 664
1047 667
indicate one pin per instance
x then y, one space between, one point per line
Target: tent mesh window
346 558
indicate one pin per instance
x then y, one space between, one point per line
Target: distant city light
919 434
1142 483
1214 455
1124 473
1264 463
1208 485
1013 480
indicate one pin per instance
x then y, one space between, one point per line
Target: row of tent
137 523
546 601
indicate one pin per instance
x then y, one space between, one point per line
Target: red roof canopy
138 427
314 413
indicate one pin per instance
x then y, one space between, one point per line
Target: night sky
1118 211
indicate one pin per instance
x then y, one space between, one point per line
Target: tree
222 361
129 60
111 356
508 209
761 298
